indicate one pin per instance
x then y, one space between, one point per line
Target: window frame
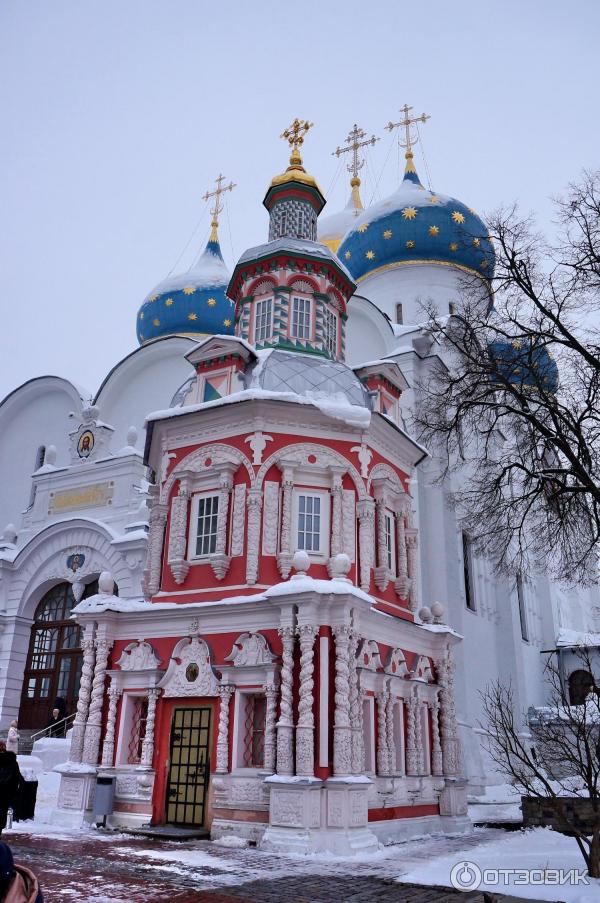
399 314
468 582
520 589
331 325
269 300
324 515
193 525
390 540
308 311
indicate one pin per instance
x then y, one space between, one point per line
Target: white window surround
193 531
239 709
390 540
324 518
128 702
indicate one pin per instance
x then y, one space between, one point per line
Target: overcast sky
117 115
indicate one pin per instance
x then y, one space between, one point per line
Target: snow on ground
501 803
535 849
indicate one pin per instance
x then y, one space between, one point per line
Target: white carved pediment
397 664
138 657
422 669
190 672
368 656
250 649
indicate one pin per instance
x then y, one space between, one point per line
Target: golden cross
406 123
355 142
295 136
218 206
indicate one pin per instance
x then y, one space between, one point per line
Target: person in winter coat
56 724
10 780
12 741
17 883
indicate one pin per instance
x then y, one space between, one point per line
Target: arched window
580 684
54 659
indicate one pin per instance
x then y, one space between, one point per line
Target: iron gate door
189 766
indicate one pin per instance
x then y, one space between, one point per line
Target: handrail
51 727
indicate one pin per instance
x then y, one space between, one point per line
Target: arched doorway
54 659
580 684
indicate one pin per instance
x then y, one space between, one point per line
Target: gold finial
218 206
409 139
295 136
355 142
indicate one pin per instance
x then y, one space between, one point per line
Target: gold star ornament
387 234
156 322
169 302
153 297
363 227
192 316
189 290
211 302
409 213
226 322
410 243
370 255
453 246
476 242
141 315
347 255
434 230
458 217
434 199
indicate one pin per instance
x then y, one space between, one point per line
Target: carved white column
305 741
336 514
254 508
225 693
382 574
178 527
93 728
287 543
383 753
148 741
342 731
238 520
285 725
436 749
85 688
108 747
449 727
157 521
391 740
219 561
366 517
413 565
402 584
270 718
355 708
412 751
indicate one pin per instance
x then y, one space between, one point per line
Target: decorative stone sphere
301 562
132 436
340 565
425 614
437 610
106 584
50 456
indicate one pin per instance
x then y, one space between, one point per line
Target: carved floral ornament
138 656
422 669
250 649
190 672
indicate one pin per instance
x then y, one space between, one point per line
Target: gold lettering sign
93 496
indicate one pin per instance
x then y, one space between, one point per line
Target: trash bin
25 804
105 797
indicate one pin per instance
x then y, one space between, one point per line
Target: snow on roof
567 637
295 246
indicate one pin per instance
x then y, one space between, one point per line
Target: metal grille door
189 766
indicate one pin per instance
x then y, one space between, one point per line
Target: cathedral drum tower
281 680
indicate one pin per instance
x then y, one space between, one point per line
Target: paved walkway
124 869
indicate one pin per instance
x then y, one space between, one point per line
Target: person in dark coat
17 883
61 705
10 779
56 724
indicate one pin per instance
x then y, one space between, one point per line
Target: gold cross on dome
354 142
405 123
294 135
218 206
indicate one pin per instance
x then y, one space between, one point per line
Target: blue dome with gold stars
193 303
415 225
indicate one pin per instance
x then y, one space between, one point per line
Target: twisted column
178 529
391 740
270 717
286 545
412 542
305 741
225 693
449 728
412 752
342 731
402 584
83 702
285 725
366 516
148 741
108 747
93 728
436 749
355 708
383 753
157 520
336 515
